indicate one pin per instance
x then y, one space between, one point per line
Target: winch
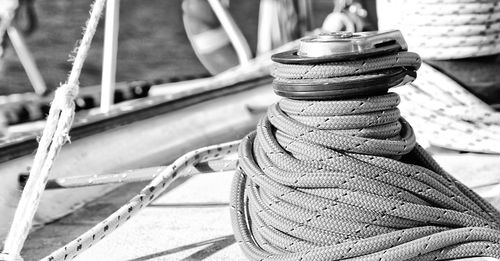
333 172
296 76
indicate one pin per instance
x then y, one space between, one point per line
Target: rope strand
334 180
53 138
445 114
444 29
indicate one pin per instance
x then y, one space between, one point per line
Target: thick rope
345 68
54 136
444 29
178 168
342 180
443 112
332 180
446 115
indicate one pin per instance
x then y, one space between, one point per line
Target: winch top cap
337 46
326 44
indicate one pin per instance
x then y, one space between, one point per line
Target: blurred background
152 41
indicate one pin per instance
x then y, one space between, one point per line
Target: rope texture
7 13
446 115
334 180
345 180
180 167
445 29
345 68
55 134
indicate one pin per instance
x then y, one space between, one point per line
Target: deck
191 220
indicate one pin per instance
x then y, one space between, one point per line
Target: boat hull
148 142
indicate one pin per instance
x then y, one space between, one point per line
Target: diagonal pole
55 134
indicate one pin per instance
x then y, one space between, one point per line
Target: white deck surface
191 222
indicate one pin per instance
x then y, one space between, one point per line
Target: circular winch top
341 46
326 44
343 65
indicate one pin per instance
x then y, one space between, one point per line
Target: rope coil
334 180
345 179
445 114
321 180
449 29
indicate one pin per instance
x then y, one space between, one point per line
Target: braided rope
54 136
345 180
445 115
99 231
445 29
443 112
328 181
345 68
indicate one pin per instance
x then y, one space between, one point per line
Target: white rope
236 37
54 136
444 29
160 183
444 114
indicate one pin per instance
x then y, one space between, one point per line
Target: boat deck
191 220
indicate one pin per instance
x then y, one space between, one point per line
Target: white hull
149 142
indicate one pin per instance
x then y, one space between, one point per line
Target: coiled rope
334 180
325 180
7 15
445 29
345 179
443 112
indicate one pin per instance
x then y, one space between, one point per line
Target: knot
64 96
10 257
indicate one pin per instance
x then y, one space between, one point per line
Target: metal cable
445 29
345 179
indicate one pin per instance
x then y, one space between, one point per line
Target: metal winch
340 49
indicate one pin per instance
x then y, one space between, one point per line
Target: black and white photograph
252 130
